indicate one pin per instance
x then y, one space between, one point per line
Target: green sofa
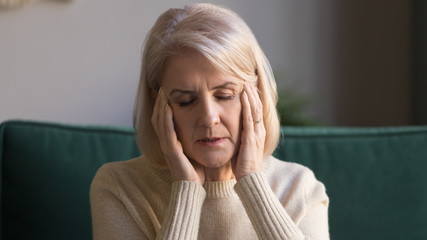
376 178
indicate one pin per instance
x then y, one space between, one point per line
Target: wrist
240 176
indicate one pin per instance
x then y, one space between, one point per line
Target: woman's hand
251 152
179 165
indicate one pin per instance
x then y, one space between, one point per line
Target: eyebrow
225 85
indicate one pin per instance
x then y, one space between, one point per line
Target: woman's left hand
251 152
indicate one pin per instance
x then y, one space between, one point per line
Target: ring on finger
255 122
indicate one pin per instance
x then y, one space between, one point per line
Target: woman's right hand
179 165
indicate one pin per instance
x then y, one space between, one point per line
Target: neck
223 173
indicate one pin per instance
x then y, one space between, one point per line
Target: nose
208 113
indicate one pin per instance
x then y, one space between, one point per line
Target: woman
206 123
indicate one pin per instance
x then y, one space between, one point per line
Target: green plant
290 107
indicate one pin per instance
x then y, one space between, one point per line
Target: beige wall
78 62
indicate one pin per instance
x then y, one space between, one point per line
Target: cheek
182 122
233 116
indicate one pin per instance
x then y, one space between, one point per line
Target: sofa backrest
376 178
46 171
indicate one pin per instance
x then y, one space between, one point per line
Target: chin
213 160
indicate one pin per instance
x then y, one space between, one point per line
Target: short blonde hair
223 38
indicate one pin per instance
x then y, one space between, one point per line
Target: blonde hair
223 38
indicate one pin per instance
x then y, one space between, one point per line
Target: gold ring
257 121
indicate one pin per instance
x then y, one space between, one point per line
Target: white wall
78 61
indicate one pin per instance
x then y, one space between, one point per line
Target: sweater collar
220 189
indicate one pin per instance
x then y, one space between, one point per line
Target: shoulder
279 170
126 176
126 166
106 176
122 168
115 175
294 182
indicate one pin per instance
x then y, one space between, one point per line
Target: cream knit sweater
137 199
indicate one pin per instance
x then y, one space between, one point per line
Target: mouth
209 140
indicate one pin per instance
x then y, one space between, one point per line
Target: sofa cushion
376 178
46 171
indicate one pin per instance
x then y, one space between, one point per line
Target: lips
208 140
211 141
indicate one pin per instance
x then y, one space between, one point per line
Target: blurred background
337 63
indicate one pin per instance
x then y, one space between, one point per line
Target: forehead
192 71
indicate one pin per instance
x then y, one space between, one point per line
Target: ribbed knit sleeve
183 214
268 216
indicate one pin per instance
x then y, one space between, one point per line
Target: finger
251 98
155 116
258 97
168 124
158 117
256 105
246 112
259 128
162 110
251 93
256 110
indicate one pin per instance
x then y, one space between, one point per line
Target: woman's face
206 109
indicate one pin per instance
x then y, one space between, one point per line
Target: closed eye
225 98
186 103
